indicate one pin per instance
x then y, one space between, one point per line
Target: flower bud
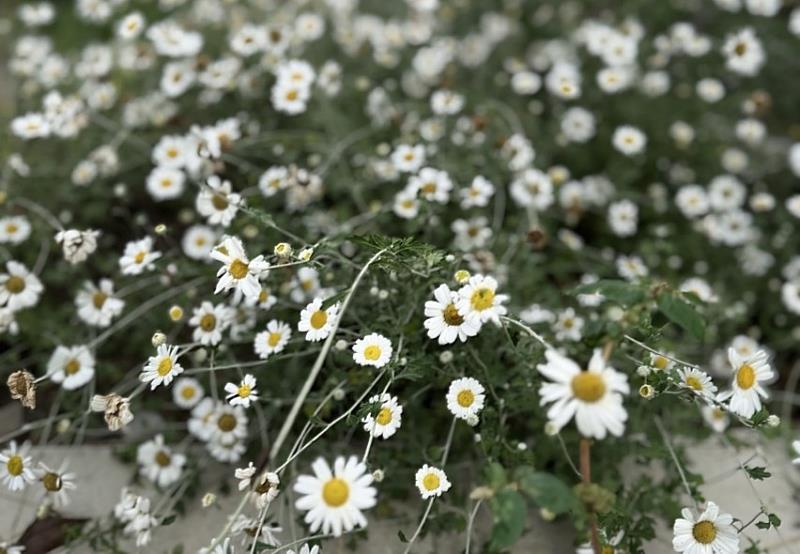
176 313
283 250
158 339
461 276
647 392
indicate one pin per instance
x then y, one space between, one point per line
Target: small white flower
465 398
72 366
710 532
187 392
445 322
273 339
697 381
388 419
479 296
629 140
749 372
16 467
374 350
19 288
138 256
315 322
243 393
238 272
162 368
431 481
158 463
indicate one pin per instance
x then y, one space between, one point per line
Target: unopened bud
647 392
158 339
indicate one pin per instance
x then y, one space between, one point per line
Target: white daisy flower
747 392
158 463
238 272
593 397
273 340
56 483
197 242
161 368
465 398
315 322
16 467
227 424
187 392
477 194
72 366
335 498
431 184
14 229
274 179
479 296
698 381
715 417
217 203
710 533
243 393
165 183
138 256
408 158
568 326
264 301
209 322
97 305
374 350
388 419
659 362
19 288
431 481
444 320
629 140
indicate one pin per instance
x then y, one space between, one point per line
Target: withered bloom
23 388
116 409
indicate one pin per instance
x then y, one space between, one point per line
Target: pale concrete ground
101 477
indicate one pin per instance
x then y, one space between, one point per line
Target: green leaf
496 475
683 314
401 536
547 490
620 292
510 512
758 473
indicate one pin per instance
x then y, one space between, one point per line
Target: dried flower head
22 388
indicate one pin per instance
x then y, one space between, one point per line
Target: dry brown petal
22 387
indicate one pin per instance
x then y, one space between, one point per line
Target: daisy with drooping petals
273 340
16 467
388 419
479 297
593 397
161 368
56 483
315 322
334 499
746 392
158 463
697 381
243 393
431 481
72 366
445 321
374 350
238 272
19 288
710 533
465 398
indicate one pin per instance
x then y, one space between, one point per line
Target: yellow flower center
219 202
187 393
244 390
482 299
660 362
15 284
465 398
704 532
226 422
238 269
164 367
263 296
451 315
291 95
11 228
428 188
15 465
588 386
372 352
384 416
318 319
431 482
162 458
746 377
72 367
166 182
273 339
139 257
208 322
694 383
98 299
51 482
335 492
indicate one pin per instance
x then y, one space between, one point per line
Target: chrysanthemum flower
445 321
431 481
19 288
159 463
711 532
374 350
592 397
273 339
697 381
388 419
334 499
479 296
238 272
72 366
315 322
243 393
16 469
749 372
187 392
465 398
163 367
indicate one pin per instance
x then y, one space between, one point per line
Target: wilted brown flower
117 411
23 388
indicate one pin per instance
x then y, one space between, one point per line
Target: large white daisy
746 390
592 397
334 499
710 533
